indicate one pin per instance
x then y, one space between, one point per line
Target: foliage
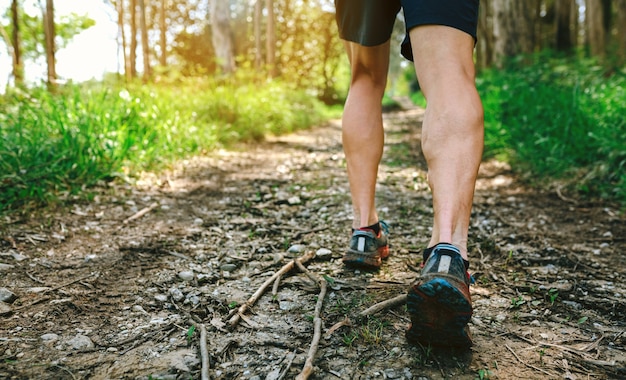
32 33
559 118
54 145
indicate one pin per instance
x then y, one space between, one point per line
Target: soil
123 286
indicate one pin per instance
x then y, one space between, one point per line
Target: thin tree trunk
18 70
145 47
133 39
595 28
50 33
513 28
222 36
258 9
163 33
270 49
563 25
123 42
620 7
484 46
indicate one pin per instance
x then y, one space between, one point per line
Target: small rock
294 200
324 254
177 294
140 309
198 221
5 309
228 267
7 296
286 305
5 267
18 256
296 248
186 275
392 374
50 337
81 342
161 297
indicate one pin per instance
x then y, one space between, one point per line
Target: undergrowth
558 121
55 145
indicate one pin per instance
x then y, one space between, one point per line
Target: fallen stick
255 297
399 300
204 353
307 370
141 213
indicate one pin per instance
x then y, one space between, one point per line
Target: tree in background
145 44
18 69
222 36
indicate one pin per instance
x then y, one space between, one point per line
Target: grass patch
56 145
559 119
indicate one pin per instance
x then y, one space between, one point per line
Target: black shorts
370 22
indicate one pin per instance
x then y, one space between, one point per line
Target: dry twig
141 213
307 370
399 300
204 353
255 297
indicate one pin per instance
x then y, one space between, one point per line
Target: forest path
109 289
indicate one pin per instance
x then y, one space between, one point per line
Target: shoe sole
365 260
439 314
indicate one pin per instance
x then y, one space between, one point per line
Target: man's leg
362 126
363 140
439 301
452 131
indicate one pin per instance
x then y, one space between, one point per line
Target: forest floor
125 285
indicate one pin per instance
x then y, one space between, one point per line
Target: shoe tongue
445 246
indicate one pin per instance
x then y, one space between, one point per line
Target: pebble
177 294
5 308
186 275
294 200
296 248
161 297
6 266
7 296
228 267
324 254
50 337
81 342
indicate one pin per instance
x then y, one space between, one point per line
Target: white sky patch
91 54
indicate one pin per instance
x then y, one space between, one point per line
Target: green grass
55 145
559 119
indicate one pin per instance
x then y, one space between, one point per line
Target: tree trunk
145 47
258 9
222 36
513 28
563 25
122 37
270 41
49 31
18 70
620 8
484 45
163 33
595 28
133 39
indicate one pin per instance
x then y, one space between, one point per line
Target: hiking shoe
439 301
366 248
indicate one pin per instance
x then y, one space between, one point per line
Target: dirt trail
93 293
